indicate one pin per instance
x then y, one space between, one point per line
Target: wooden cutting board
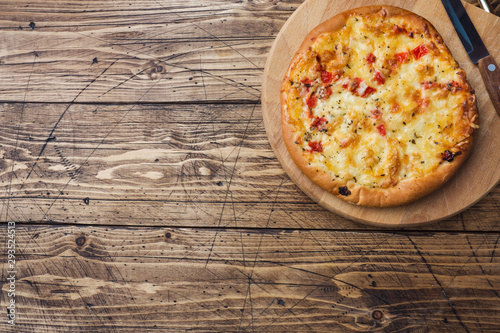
479 174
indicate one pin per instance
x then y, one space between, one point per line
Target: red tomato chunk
311 101
379 78
315 146
368 91
376 114
326 77
307 81
419 51
328 92
381 129
371 58
318 121
401 57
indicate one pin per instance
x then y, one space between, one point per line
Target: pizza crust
406 190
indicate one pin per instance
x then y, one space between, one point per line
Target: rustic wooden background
146 197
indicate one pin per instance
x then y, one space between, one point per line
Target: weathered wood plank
136 51
177 165
119 279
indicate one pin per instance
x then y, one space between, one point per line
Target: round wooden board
479 174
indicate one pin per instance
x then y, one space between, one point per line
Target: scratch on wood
443 292
122 280
203 80
229 182
50 136
248 294
125 114
71 169
216 38
65 276
9 188
481 267
494 249
327 279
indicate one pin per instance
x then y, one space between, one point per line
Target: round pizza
375 109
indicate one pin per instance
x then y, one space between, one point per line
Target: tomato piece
328 92
376 114
379 78
401 57
318 121
315 146
429 84
419 51
381 129
311 101
307 82
371 58
368 91
353 84
326 77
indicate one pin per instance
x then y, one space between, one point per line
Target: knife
478 54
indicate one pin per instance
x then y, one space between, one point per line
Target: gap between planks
196 102
363 229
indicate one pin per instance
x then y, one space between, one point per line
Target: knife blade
475 48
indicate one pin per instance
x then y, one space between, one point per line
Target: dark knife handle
490 72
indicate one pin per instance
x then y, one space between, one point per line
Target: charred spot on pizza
343 190
449 156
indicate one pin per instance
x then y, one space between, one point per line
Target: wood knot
377 315
80 241
154 68
168 235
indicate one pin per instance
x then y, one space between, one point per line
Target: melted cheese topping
377 102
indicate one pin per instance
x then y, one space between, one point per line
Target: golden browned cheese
377 102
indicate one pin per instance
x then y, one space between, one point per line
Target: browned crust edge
405 191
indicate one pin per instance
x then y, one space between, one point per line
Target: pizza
375 109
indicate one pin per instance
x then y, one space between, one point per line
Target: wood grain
179 165
140 209
491 75
475 178
120 280
136 51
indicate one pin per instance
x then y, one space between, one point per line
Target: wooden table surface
146 197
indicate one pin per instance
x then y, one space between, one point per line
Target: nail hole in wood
168 235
